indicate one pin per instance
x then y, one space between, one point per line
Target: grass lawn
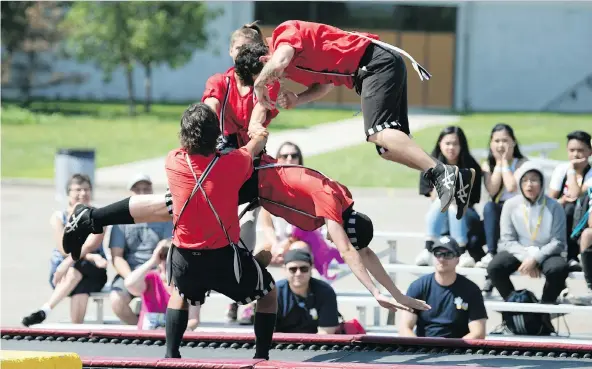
360 166
30 138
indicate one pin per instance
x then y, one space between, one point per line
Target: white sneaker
466 261
484 262
424 258
585 300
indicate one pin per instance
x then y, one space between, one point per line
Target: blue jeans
438 223
491 223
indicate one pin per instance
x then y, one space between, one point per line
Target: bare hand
258 131
576 162
262 94
413 303
287 99
391 304
529 267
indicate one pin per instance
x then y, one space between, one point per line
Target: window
360 14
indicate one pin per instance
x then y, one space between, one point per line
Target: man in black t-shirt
458 309
305 304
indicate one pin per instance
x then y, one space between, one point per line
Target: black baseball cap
448 243
297 255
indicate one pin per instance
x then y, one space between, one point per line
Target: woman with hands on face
498 175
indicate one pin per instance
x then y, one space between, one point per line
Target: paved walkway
313 141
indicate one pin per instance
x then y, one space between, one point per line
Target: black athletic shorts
381 81
196 272
93 278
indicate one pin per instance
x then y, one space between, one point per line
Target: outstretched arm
288 99
350 256
374 266
271 72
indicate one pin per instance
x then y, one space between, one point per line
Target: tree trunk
27 79
129 70
147 87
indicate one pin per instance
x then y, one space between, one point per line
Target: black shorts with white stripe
381 81
196 272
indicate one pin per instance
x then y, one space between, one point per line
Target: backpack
529 324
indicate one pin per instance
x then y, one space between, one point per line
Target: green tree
30 37
168 32
114 34
99 32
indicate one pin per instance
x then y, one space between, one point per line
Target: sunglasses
294 155
447 255
303 269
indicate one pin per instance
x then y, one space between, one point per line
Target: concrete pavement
313 141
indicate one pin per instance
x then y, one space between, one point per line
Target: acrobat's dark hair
200 130
247 62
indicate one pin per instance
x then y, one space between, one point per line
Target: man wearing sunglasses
458 309
305 304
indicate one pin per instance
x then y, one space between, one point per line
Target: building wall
183 84
523 55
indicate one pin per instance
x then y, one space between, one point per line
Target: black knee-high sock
116 213
264 327
176 323
587 266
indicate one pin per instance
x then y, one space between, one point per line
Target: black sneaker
464 186
35 318
443 178
79 227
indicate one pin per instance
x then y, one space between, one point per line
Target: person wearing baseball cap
133 245
140 184
458 309
305 304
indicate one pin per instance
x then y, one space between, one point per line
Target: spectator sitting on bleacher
68 278
503 160
452 148
149 281
532 239
458 309
585 243
132 245
305 304
569 181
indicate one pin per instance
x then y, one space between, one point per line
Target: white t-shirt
559 174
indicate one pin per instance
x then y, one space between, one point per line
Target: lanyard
533 235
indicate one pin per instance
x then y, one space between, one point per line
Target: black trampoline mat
307 355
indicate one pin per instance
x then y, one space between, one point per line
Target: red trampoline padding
110 362
45 332
238 364
295 365
476 344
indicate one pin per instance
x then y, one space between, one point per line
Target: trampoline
145 349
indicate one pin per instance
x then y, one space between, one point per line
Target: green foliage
169 32
113 34
99 33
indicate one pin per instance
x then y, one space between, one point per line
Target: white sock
46 309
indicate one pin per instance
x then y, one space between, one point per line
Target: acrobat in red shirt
198 228
235 111
322 54
314 196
